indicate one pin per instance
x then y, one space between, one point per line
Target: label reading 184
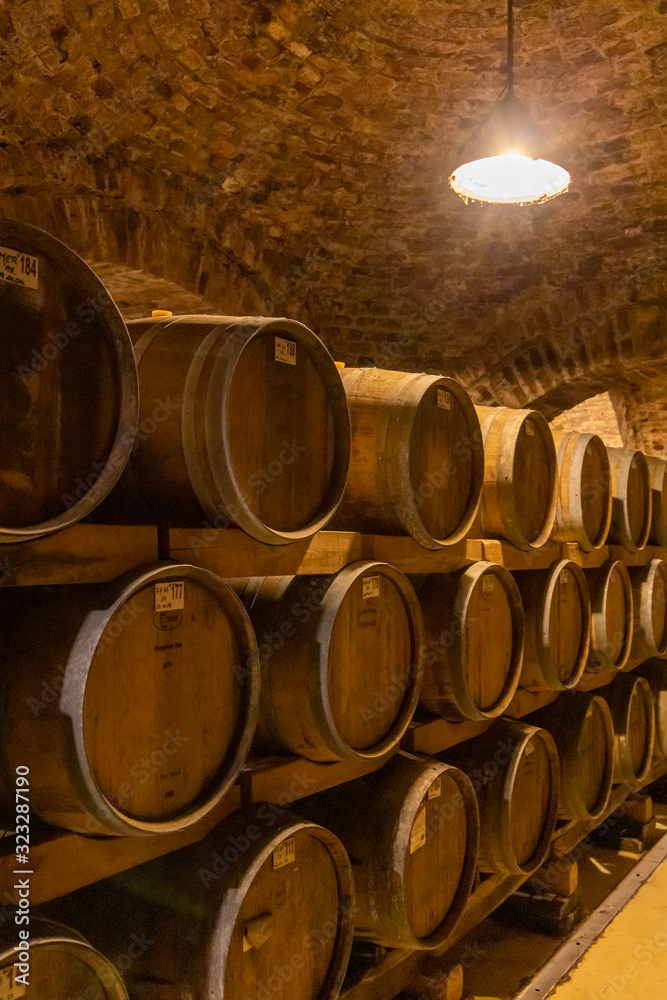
19 268
9 989
285 350
444 399
370 587
284 854
170 596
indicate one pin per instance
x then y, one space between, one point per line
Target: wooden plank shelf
231 553
432 736
435 735
97 553
84 553
286 779
61 861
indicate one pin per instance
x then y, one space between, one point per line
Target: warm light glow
510 179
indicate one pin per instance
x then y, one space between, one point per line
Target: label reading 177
9 988
284 854
170 596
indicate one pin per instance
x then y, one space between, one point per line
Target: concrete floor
627 962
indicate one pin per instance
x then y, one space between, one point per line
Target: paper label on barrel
9 988
563 580
284 854
170 596
370 587
19 268
285 350
487 585
444 399
418 834
530 429
435 789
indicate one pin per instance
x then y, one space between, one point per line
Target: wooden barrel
631 703
655 672
57 962
261 908
249 422
631 499
133 704
612 622
473 624
417 462
557 612
520 477
341 659
657 467
412 832
583 510
581 725
649 594
515 773
68 386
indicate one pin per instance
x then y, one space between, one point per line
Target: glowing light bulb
510 179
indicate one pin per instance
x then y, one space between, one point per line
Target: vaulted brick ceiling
292 159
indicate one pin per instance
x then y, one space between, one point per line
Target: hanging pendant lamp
501 164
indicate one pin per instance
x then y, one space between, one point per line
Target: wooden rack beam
97 553
84 553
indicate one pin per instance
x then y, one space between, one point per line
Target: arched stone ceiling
292 158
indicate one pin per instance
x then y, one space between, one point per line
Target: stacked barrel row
136 704
271 900
227 421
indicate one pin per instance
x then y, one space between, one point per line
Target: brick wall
594 416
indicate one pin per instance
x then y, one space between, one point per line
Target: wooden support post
638 808
545 913
560 876
435 982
